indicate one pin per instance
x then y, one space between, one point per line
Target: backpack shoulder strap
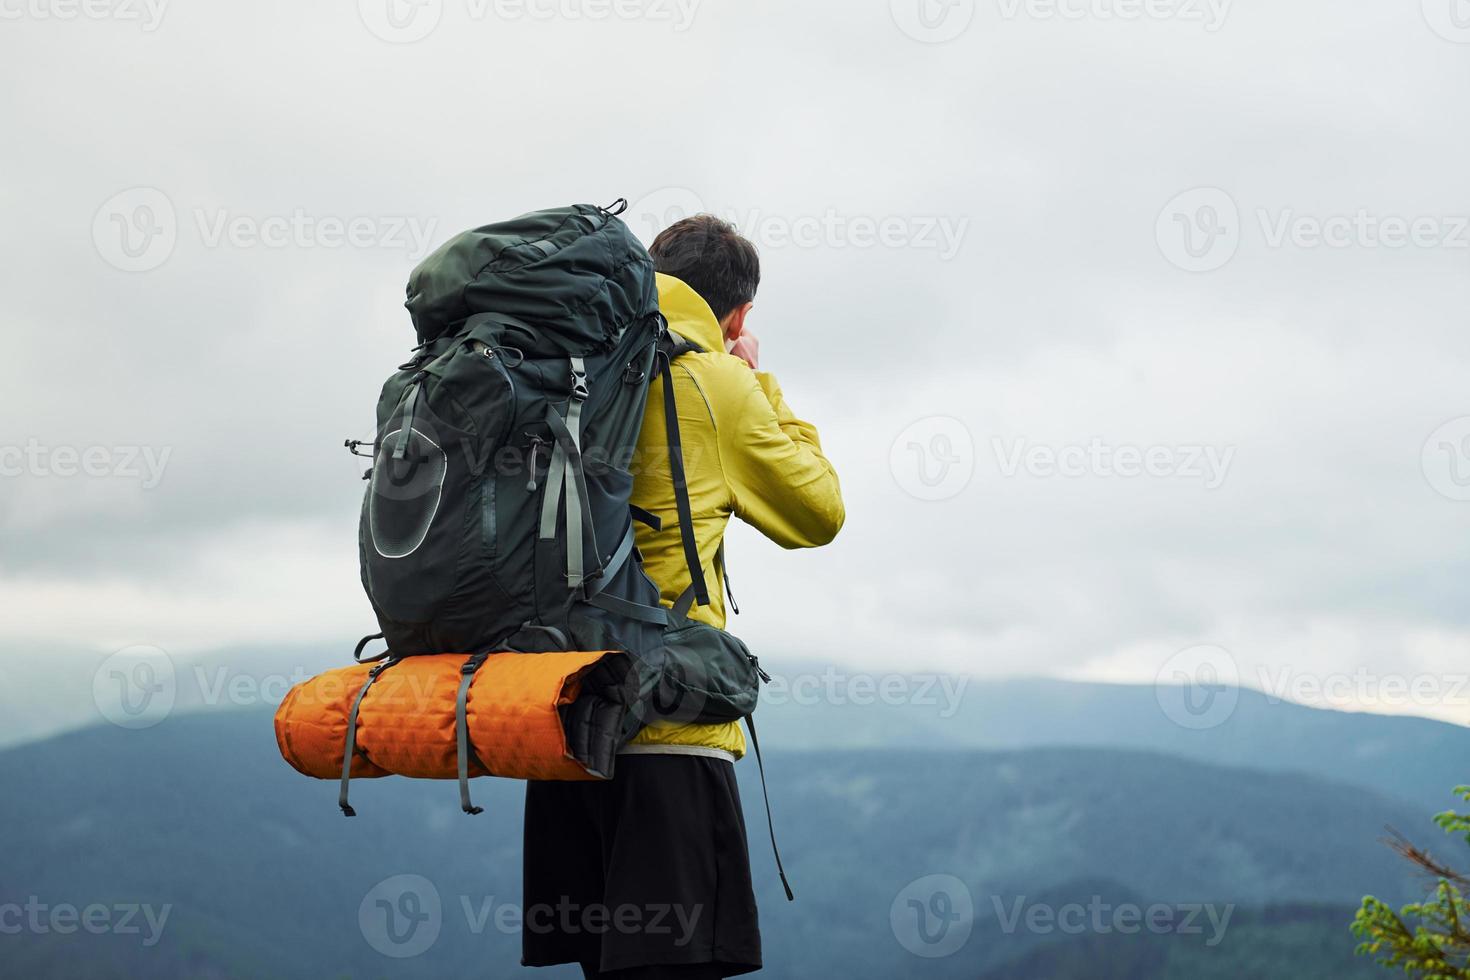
677 346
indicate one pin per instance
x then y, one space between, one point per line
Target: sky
1135 329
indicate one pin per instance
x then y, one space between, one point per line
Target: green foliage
1428 940
1456 823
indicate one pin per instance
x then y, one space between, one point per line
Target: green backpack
497 513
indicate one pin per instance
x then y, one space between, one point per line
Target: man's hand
747 347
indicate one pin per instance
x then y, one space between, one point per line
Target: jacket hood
688 314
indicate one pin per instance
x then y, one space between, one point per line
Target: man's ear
734 323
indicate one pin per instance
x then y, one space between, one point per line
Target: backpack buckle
579 385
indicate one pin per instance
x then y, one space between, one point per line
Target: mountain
52 689
1300 942
822 707
251 872
1417 759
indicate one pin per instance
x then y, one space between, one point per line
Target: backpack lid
575 278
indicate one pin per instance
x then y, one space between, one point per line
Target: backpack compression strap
463 752
350 749
565 472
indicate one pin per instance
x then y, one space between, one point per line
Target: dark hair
713 258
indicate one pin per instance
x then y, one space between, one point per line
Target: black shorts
650 868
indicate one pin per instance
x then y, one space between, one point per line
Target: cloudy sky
1135 328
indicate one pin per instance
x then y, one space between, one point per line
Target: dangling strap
725 576
681 487
462 730
770 825
351 748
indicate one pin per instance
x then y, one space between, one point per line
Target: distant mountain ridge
264 878
1417 759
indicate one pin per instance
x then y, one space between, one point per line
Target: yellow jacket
745 454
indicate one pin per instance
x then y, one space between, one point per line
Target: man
667 832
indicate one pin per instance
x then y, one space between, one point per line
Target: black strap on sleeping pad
681 485
463 751
770 824
350 749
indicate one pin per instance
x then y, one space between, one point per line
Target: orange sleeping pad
516 709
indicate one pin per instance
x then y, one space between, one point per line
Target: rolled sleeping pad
553 716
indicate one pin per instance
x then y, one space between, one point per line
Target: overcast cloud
1130 326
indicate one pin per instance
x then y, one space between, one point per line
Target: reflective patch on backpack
406 493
